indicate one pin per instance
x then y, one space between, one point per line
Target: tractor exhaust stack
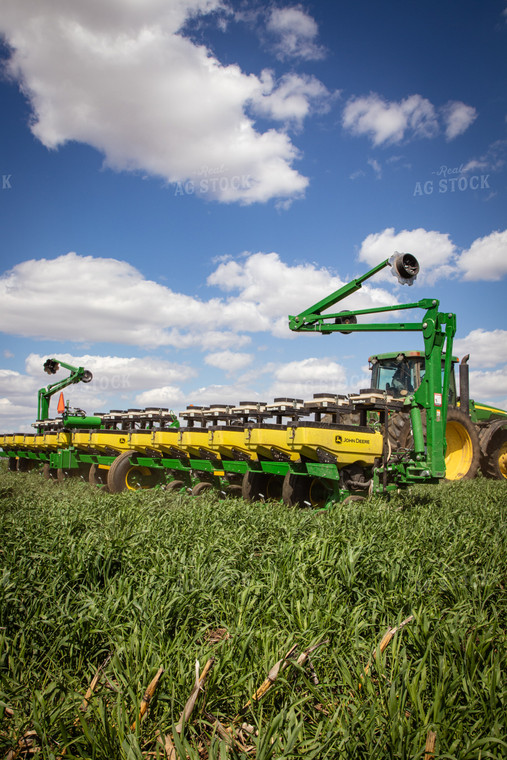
464 386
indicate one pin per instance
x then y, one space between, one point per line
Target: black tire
260 486
199 488
13 464
233 490
97 476
494 464
352 498
396 425
125 475
175 485
462 457
304 491
25 465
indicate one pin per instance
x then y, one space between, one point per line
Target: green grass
146 575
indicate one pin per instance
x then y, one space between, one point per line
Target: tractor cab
401 373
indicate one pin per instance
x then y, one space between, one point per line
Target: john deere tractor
477 430
418 388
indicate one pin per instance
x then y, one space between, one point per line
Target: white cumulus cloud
434 250
16 418
490 386
258 292
166 396
303 378
229 361
268 289
295 34
457 118
487 348
388 122
116 373
123 78
108 293
261 290
291 98
486 259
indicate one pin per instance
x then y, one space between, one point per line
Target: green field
162 580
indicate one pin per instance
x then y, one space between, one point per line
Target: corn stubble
107 602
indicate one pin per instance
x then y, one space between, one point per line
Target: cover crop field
149 580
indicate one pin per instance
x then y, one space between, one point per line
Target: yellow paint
102 440
347 446
502 459
489 408
165 440
266 442
192 440
459 454
140 440
223 440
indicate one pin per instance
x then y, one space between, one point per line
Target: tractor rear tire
462 457
396 424
495 463
125 475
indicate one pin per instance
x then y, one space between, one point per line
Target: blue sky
177 176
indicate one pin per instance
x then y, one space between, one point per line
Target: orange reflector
61 404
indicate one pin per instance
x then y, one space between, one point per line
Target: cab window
398 378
